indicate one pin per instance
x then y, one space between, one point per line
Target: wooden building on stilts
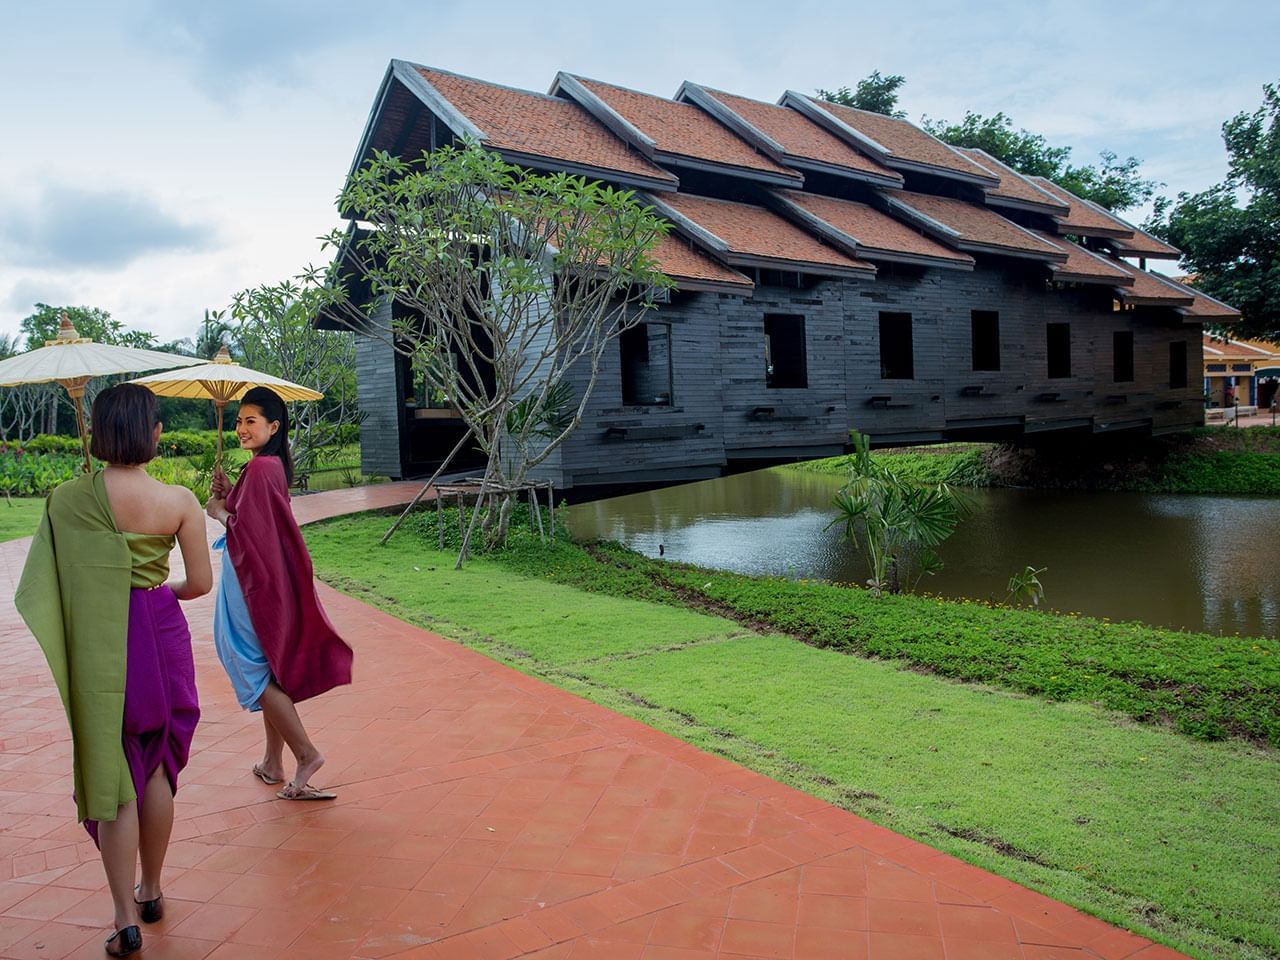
835 270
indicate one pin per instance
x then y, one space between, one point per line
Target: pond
1189 562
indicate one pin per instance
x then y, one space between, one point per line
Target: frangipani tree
507 287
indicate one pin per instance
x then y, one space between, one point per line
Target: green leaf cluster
875 93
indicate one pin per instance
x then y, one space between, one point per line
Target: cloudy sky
159 155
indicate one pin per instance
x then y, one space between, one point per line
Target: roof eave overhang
1147 254
1139 300
1077 230
799 266
915 259
539 162
1065 276
933 170
745 173
1228 311
1189 316
991 249
888 180
1031 206
703 285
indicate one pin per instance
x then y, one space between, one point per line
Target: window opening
784 351
1058 344
646 364
1122 356
985 328
1178 364
896 359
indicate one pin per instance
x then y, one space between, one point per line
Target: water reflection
1199 563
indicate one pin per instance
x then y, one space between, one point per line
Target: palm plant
895 521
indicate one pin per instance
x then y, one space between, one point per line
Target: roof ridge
487 83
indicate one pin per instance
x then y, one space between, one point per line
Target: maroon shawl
306 654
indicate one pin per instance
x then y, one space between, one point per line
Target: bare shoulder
178 498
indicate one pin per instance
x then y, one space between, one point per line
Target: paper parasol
73 360
221 380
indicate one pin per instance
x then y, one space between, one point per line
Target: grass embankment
1165 834
1210 460
19 516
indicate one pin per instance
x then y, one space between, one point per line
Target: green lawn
19 516
1171 836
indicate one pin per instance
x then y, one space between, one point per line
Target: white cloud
71 227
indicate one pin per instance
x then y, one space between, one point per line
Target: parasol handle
77 394
217 462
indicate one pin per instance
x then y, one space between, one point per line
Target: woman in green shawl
93 592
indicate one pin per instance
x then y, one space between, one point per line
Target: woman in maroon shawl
272 636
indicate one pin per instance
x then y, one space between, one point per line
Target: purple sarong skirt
161 707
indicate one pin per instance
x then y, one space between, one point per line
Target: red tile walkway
484 814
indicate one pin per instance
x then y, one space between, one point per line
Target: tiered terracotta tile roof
1014 190
971 228
1203 307
1222 348
676 130
1144 245
693 270
742 234
533 125
895 143
794 139
1084 266
870 233
1084 218
1150 289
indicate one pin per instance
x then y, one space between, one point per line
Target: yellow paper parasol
221 380
73 360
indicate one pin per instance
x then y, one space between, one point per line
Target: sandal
265 777
305 792
129 941
151 911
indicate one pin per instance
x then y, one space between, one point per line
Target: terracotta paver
485 815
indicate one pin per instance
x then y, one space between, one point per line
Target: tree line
267 328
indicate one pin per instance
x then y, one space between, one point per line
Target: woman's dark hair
273 408
123 421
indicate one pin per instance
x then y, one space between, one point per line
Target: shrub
35 475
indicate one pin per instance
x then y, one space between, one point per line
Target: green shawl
74 597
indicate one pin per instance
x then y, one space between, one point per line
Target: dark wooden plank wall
719 376
378 394
592 455
750 432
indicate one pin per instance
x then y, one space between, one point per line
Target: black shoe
124 942
150 910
